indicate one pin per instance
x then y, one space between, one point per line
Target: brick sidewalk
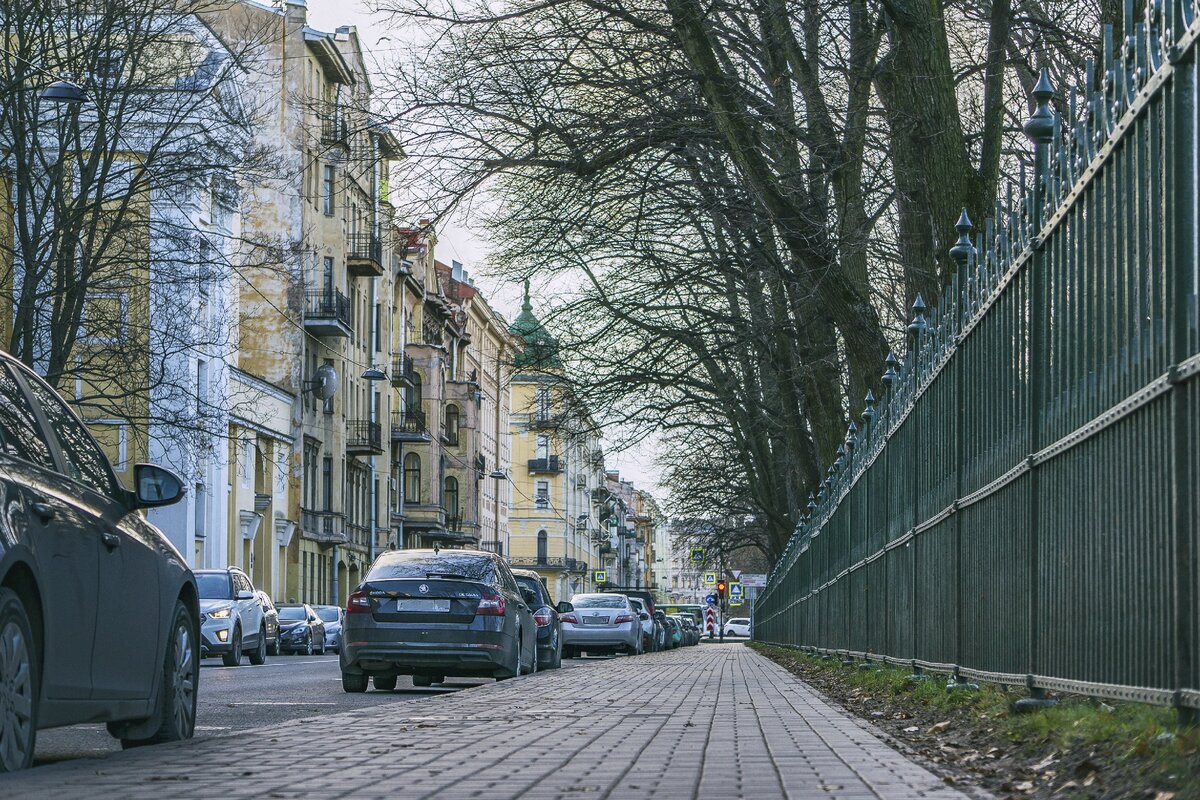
716 721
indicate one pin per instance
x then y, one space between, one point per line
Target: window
542 399
201 512
543 446
543 553
327 280
328 406
20 436
82 459
312 457
452 424
201 386
450 497
541 497
105 318
412 478
112 436
327 484
327 190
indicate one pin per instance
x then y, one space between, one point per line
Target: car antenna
436 549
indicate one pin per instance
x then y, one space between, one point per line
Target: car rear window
598 601
328 613
532 584
416 565
295 612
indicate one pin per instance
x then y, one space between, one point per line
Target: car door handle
45 511
111 540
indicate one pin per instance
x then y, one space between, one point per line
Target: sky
460 240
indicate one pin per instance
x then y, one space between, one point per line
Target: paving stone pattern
715 721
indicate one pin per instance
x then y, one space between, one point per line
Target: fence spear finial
1040 125
962 248
890 375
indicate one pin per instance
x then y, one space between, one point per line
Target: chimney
456 271
296 11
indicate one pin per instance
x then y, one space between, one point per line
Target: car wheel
18 684
181 675
321 652
234 657
308 648
422 681
258 655
384 683
556 660
513 669
353 684
274 647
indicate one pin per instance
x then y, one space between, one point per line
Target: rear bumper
406 658
615 637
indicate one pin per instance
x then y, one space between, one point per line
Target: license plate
419 604
595 620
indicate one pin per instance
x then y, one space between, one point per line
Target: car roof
527 573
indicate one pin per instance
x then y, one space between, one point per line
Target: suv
231 617
651 628
97 607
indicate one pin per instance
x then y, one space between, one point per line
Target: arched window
450 497
452 424
412 478
543 554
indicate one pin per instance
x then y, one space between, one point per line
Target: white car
739 626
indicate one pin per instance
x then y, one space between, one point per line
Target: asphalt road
241 698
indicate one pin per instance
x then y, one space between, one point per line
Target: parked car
300 629
232 620
271 621
661 618
601 623
98 615
650 633
545 616
674 633
739 626
332 617
691 629
433 613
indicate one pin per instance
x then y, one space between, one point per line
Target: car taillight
571 618
543 617
490 605
358 603
623 618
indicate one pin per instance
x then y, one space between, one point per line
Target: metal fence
1021 505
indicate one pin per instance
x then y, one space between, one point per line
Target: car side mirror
564 607
244 595
644 617
156 486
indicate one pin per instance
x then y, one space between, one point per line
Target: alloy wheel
183 682
16 697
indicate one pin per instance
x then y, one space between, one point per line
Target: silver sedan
601 623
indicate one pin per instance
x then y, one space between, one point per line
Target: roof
541 349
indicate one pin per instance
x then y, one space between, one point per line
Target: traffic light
721 589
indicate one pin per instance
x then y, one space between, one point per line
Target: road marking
276 703
263 666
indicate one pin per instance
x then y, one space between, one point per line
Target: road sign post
710 621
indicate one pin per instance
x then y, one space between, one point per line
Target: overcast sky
459 240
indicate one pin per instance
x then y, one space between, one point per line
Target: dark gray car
81 570
431 613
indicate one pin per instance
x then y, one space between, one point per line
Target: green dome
541 350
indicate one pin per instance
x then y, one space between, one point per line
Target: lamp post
497 475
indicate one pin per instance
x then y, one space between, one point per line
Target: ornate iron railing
1021 505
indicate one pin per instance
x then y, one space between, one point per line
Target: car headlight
221 613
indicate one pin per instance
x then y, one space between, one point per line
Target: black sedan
81 569
300 629
433 613
545 616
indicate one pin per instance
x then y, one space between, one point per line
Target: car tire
513 669
181 678
308 648
384 683
234 657
273 649
258 656
353 684
556 661
18 659
321 652
422 681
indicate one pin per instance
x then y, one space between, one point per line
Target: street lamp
64 92
497 475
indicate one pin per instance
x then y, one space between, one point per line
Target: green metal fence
1021 506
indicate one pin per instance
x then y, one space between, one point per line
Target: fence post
961 253
1180 211
1040 130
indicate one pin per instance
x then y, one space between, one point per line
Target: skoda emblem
423 589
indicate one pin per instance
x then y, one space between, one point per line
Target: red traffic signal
721 588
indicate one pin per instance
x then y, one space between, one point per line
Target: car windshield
292 613
598 601
423 565
214 585
532 584
328 613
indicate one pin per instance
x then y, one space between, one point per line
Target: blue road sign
711 600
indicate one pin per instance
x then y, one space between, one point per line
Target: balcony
323 527
404 373
574 565
359 535
549 465
334 129
364 438
543 419
527 562
327 313
409 426
364 255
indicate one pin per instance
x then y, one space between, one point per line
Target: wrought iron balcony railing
364 437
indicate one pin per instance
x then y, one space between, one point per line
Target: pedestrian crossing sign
735 590
697 554
710 579
601 576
